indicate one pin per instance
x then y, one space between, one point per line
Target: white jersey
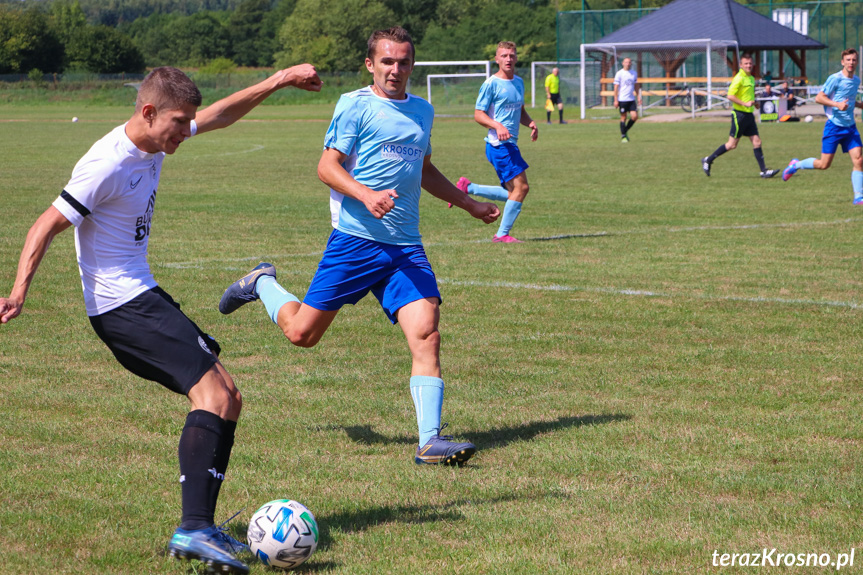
626 80
110 200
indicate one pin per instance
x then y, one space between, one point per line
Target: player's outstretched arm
230 109
331 171
435 183
39 238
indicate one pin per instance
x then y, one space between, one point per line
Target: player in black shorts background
110 200
741 93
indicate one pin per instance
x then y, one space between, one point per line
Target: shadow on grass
503 436
492 438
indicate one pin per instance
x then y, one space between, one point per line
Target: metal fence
834 23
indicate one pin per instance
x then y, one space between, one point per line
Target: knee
730 146
522 190
301 338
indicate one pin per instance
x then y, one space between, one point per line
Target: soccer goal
666 71
451 86
569 80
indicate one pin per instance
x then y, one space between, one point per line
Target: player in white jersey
500 109
839 98
625 93
377 156
110 200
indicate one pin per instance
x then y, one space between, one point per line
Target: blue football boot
208 546
243 291
439 450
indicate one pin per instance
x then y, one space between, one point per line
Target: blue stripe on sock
489 192
427 393
510 213
273 295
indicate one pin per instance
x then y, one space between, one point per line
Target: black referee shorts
153 339
743 124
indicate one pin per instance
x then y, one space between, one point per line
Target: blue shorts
507 161
835 135
353 266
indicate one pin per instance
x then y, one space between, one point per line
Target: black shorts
627 106
743 124
555 98
153 339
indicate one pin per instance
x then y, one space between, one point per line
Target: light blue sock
807 164
427 393
490 192
273 295
857 183
510 212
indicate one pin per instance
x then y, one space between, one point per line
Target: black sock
719 151
547 116
222 458
759 155
622 128
199 450
629 124
560 113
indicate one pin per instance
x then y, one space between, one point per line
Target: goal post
663 68
455 84
569 77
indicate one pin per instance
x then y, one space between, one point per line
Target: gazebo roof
720 20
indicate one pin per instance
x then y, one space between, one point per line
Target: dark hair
396 34
746 56
168 88
849 51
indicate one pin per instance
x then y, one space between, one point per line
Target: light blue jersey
385 141
502 100
839 88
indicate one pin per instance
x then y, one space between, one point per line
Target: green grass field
666 369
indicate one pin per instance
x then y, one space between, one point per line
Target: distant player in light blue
500 108
839 98
377 156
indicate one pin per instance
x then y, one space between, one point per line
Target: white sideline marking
643 293
200 263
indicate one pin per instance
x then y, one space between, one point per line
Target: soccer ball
283 533
807 119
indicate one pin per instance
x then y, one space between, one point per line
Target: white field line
644 293
200 263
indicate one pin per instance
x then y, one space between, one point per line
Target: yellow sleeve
734 88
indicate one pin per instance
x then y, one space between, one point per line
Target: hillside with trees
110 36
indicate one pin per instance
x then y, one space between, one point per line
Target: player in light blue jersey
376 159
839 98
500 108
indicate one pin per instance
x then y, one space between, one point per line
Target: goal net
665 70
450 86
569 81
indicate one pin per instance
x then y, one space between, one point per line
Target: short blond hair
506 45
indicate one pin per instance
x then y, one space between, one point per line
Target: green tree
103 50
67 18
174 40
27 42
331 34
479 29
253 34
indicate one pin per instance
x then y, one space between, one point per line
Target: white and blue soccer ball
283 533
